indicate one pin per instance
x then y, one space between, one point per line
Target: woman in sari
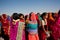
58 26
32 27
14 26
44 28
39 19
54 27
21 28
5 27
59 23
50 21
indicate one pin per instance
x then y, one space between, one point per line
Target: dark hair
38 13
26 17
20 14
43 14
30 16
53 14
59 12
0 17
15 16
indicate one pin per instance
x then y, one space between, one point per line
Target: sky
26 6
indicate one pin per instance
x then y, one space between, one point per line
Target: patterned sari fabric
21 31
43 35
33 37
55 28
33 32
13 30
32 28
50 21
59 27
5 25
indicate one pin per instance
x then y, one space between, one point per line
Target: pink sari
13 31
56 29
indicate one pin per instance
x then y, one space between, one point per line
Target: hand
47 33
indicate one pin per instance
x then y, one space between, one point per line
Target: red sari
50 22
43 35
5 26
56 29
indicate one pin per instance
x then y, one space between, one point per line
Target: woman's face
50 14
46 16
21 17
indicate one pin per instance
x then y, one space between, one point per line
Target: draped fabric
21 31
56 29
32 28
33 31
13 31
5 24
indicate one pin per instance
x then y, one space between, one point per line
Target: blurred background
27 6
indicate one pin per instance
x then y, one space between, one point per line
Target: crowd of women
35 26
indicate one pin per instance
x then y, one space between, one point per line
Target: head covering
59 12
50 16
36 17
4 16
33 17
0 18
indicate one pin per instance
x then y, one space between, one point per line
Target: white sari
20 30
